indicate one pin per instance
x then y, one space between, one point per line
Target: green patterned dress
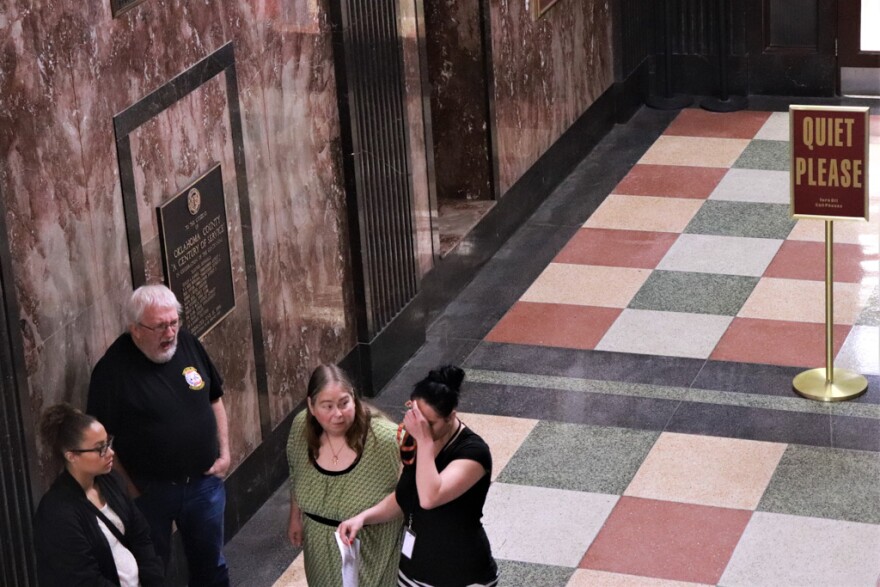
340 496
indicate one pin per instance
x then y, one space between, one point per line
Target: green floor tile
772 155
829 483
518 574
748 219
577 457
870 315
694 293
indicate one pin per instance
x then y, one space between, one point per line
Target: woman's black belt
323 520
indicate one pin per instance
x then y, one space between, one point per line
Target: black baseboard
452 273
257 477
372 365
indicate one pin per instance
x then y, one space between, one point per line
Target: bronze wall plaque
118 7
195 252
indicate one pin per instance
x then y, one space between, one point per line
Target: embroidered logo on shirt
193 378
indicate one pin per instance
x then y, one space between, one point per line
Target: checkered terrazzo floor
636 390
694 255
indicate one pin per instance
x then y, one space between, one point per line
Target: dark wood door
791 47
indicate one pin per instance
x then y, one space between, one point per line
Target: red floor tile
554 325
678 181
616 248
806 260
695 122
667 540
776 342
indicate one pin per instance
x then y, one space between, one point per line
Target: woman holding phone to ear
441 494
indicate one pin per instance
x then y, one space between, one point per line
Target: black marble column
370 87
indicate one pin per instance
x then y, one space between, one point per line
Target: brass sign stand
829 384
829 181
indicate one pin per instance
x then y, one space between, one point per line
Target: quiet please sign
829 162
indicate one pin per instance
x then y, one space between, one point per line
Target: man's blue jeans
196 507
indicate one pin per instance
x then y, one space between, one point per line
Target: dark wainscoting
18 475
773 48
451 274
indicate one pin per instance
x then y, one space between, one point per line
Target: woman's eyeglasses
101 449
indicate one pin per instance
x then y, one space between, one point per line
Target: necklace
453 436
334 452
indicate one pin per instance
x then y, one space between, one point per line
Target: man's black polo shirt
159 413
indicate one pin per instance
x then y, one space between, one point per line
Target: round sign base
844 385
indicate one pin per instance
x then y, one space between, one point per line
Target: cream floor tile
591 578
694 151
860 352
586 285
726 255
671 334
707 470
542 525
503 435
798 300
644 213
776 128
294 576
855 232
778 549
753 185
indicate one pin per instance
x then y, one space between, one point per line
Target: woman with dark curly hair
87 531
441 492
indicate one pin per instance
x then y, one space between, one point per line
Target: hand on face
417 425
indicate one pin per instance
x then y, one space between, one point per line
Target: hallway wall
547 73
66 68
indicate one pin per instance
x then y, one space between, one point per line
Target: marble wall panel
417 107
66 68
63 373
298 205
547 73
169 152
459 91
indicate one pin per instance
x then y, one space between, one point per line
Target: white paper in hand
350 561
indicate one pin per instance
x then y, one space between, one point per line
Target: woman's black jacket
72 550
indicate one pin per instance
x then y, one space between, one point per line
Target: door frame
849 53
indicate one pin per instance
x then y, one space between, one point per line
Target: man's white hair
154 294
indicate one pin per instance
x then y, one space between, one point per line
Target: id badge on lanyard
409 540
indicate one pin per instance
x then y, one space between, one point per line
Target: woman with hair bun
441 492
87 531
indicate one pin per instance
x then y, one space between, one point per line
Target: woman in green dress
342 459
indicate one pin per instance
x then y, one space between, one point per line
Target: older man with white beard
158 393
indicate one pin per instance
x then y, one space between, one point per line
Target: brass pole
829 301
829 384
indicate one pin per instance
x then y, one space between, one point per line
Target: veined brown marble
547 73
66 68
459 95
424 210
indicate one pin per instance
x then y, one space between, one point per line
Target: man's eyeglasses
101 449
173 325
